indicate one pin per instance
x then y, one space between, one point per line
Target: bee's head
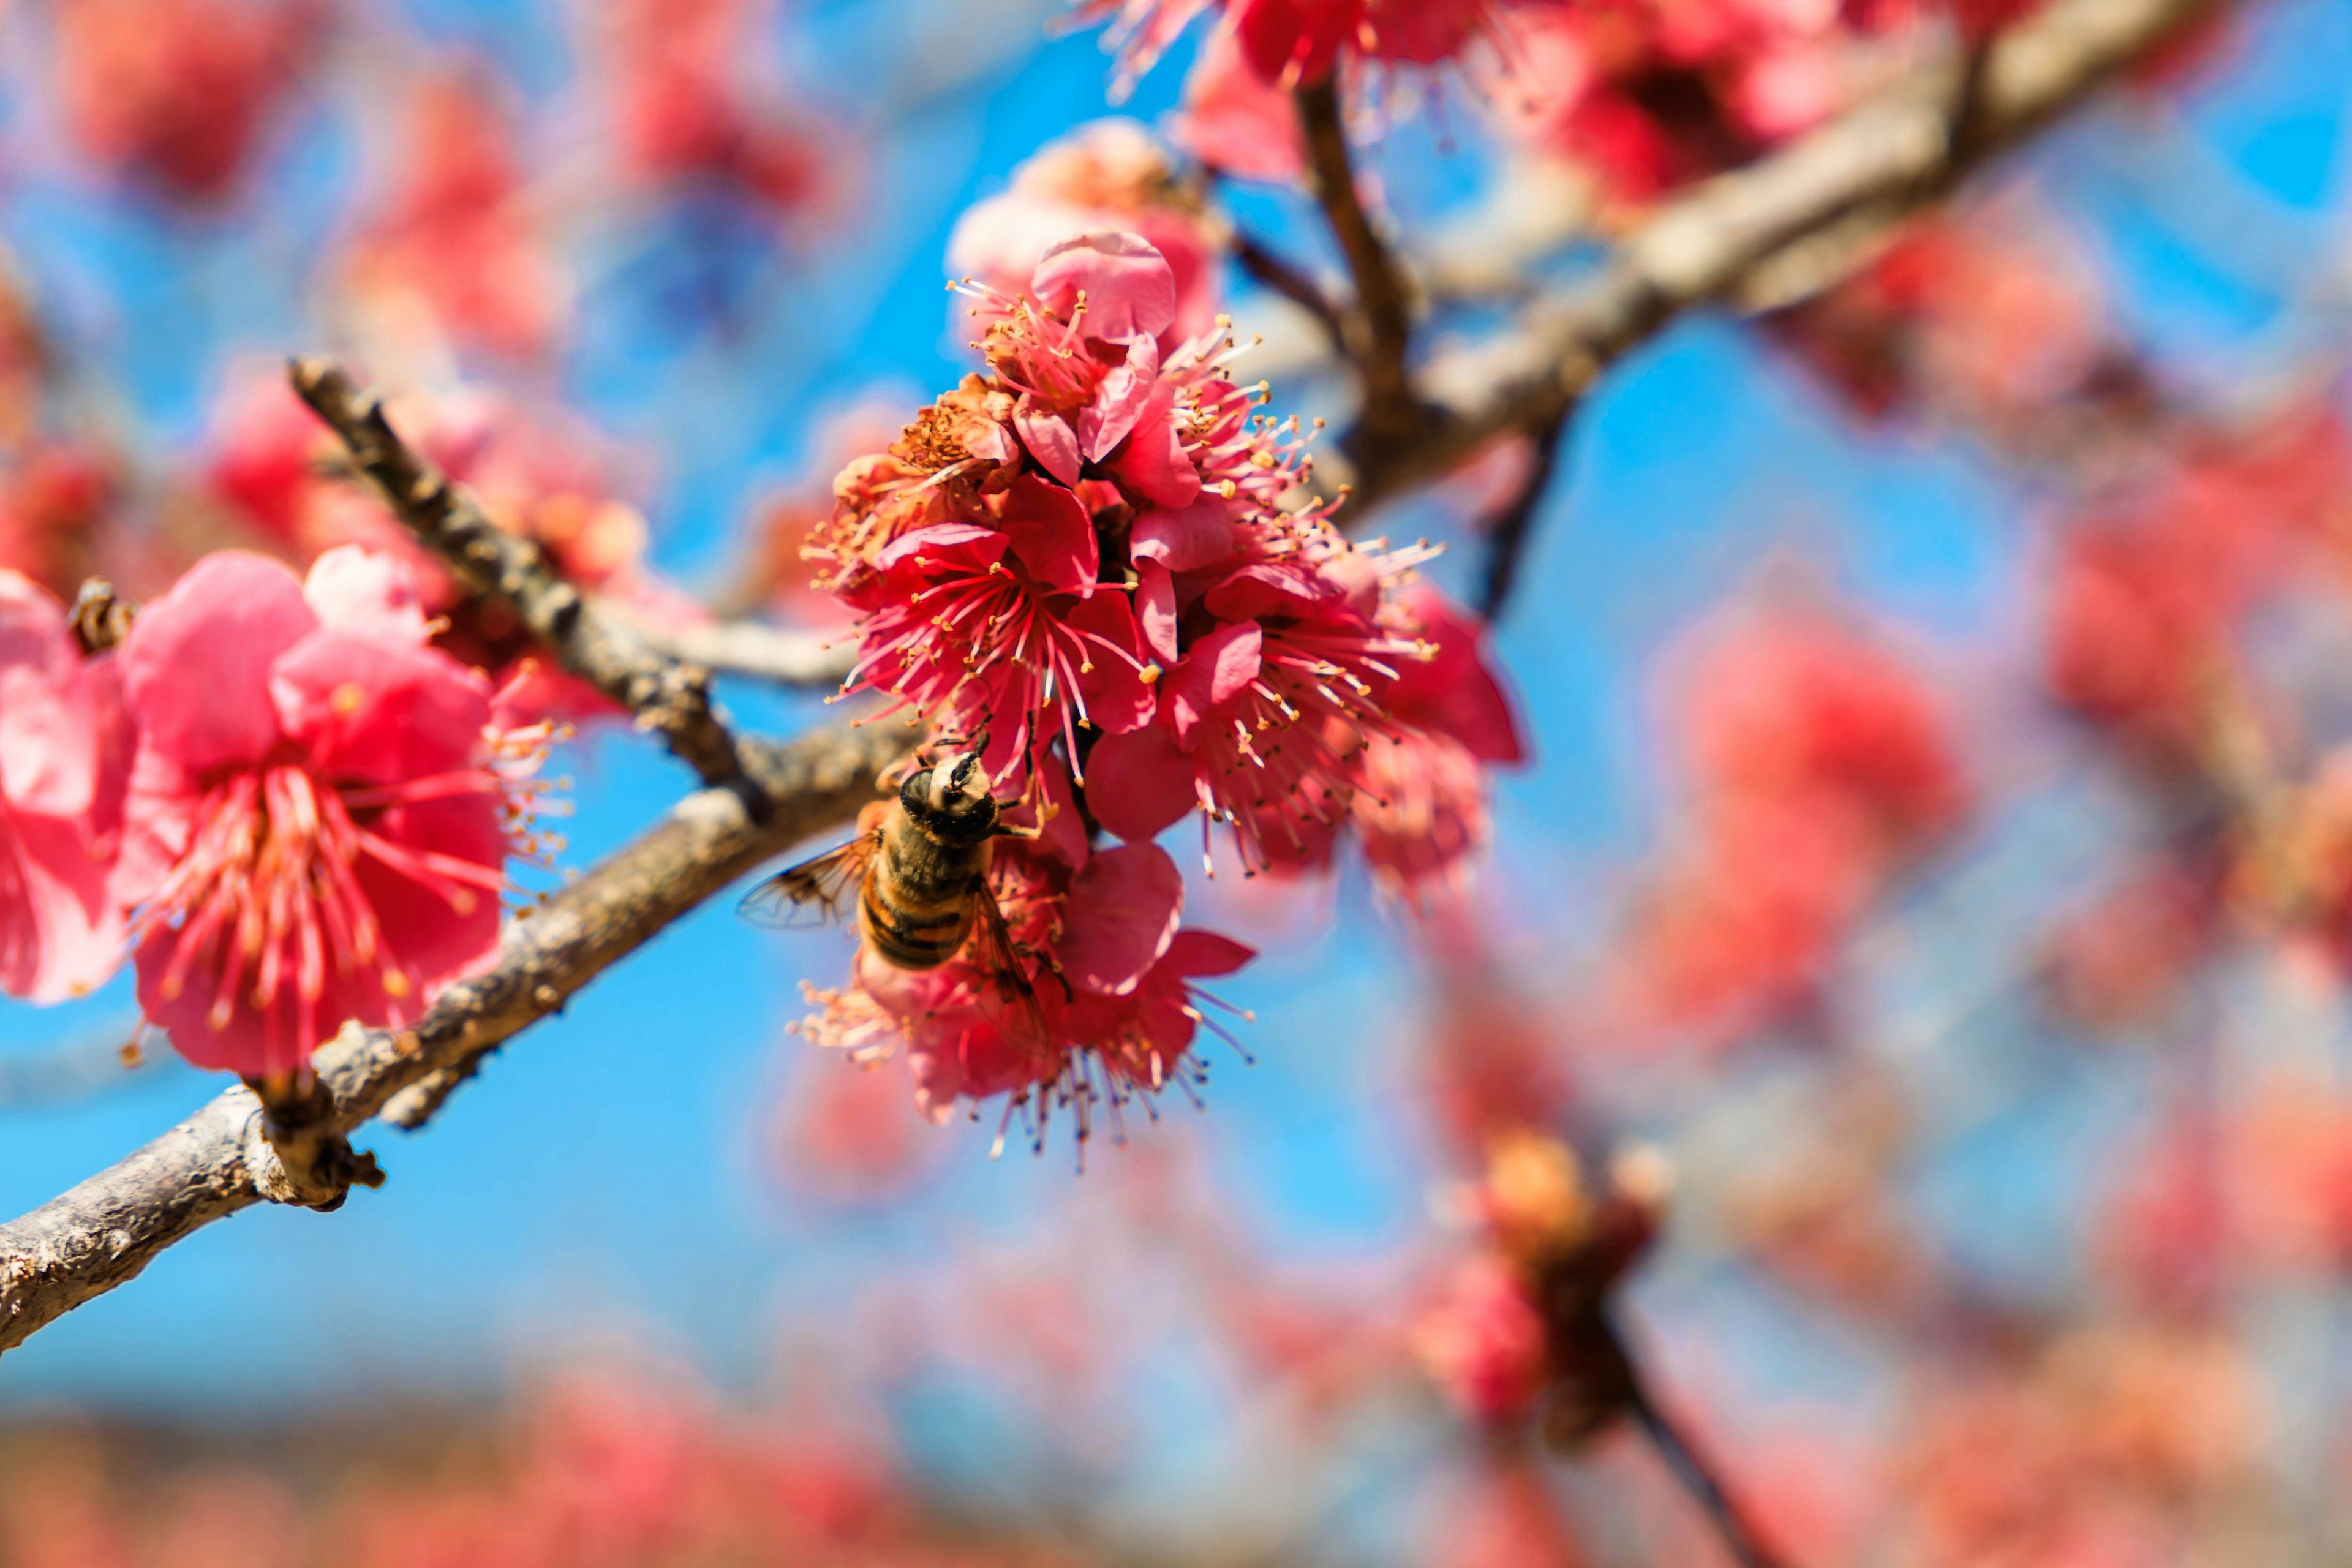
952 798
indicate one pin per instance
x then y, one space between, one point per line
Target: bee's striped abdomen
917 905
919 938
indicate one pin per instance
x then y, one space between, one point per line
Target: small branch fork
665 693
1887 157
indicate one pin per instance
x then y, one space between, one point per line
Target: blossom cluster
1824 764
1093 564
1641 97
285 805
1520 1323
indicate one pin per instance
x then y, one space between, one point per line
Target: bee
918 871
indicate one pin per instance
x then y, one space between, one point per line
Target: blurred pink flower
1484 1342
1107 175
61 780
178 90
458 232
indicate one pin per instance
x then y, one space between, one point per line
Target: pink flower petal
963 543
1053 534
1116 696
1119 401
1268 590
1050 440
1457 693
1130 288
1153 464
1219 668
60 933
49 741
1194 953
197 664
1155 610
1123 910
367 593
1186 539
377 712
1139 783
425 929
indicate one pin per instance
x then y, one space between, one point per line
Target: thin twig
665 693
1510 528
1888 156
104 1231
1378 338
1691 1468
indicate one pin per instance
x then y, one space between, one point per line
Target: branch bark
1378 335
93 1238
1890 155
665 693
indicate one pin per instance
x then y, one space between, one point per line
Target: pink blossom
1418 807
1112 969
61 755
314 828
1260 718
1107 175
178 90
1235 121
997 625
1288 42
456 232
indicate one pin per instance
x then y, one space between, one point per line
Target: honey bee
919 872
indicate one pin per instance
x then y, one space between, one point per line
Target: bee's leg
1007 830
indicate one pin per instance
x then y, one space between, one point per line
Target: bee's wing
815 892
992 946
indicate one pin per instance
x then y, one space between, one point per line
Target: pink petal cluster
61 782
178 91
457 233
1113 967
1091 562
1824 763
1107 175
315 830
1286 42
684 112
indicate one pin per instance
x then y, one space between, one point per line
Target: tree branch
104 1231
1379 336
665 693
1892 154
